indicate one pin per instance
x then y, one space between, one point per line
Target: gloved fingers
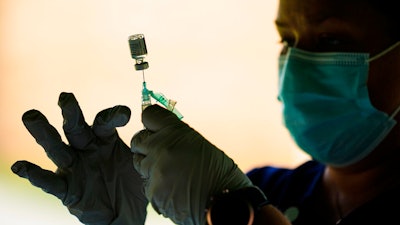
143 161
77 131
156 117
137 142
141 165
48 137
107 120
44 179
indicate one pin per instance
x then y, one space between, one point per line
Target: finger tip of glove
116 116
65 94
156 117
155 108
19 168
65 97
124 110
32 115
123 115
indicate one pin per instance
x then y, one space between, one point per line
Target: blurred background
217 58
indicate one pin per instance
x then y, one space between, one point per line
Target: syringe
138 48
168 103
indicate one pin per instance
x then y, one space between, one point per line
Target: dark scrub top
293 192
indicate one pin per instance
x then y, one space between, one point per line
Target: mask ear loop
384 52
395 112
379 55
284 67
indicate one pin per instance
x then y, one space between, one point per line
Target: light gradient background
217 58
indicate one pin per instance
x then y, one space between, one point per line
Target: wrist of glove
183 170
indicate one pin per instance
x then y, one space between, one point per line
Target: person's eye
329 42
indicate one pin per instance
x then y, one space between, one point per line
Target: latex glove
95 178
183 170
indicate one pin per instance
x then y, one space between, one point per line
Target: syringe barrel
168 103
146 101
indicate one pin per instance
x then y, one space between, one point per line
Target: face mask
326 106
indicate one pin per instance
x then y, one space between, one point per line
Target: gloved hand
95 178
183 170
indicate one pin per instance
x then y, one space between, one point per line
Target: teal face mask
326 106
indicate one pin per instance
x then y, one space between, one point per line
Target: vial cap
142 66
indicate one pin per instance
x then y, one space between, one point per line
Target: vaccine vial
138 48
